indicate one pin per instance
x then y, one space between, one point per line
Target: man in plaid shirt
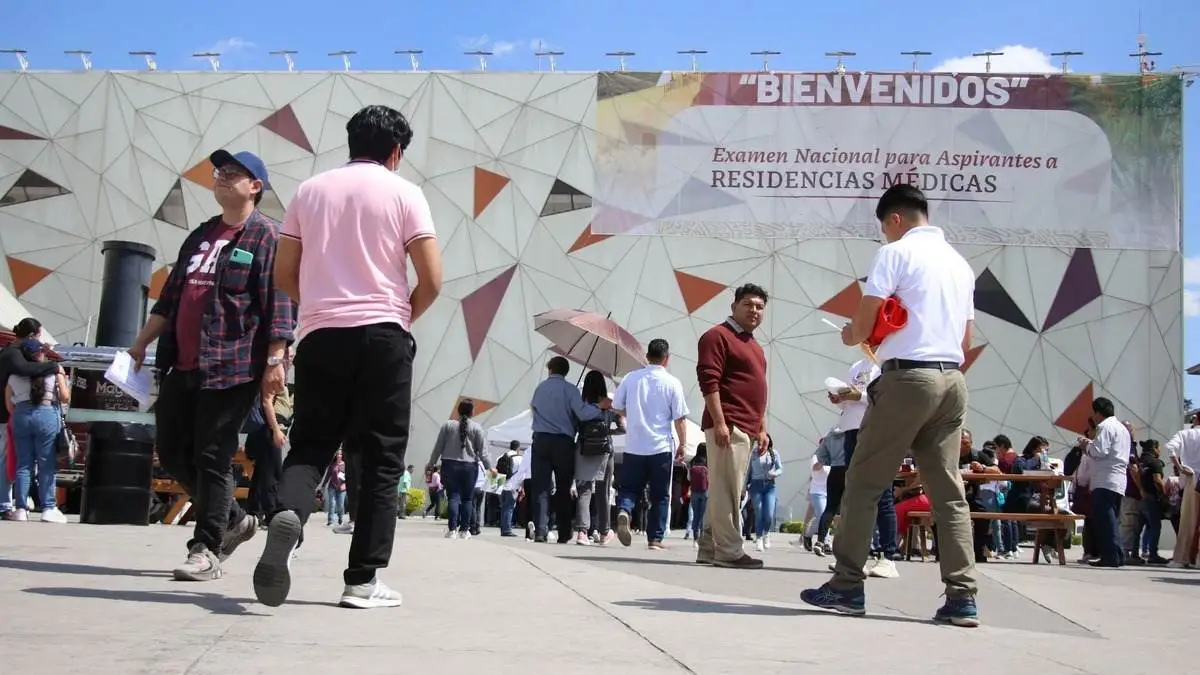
223 329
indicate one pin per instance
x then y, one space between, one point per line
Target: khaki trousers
721 538
921 410
1188 513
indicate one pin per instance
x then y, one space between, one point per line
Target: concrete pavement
101 599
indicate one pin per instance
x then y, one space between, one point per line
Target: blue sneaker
853 603
958 611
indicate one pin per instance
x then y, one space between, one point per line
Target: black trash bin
116 478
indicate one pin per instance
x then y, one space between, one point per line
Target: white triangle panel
284 89
481 381
497 131
56 109
828 255
1111 338
1172 278
544 254
618 293
545 156
498 221
118 126
480 105
1033 380
1129 379
444 359
438 401
570 102
242 89
512 329
682 338
56 213
429 331
146 91
74 86
232 121
507 366
1064 379
514 86
403 86
1129 279
534 127
20 101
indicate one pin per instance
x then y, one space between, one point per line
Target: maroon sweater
732 362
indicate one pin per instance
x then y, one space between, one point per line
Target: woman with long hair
34 405
460 447
593 473
764 468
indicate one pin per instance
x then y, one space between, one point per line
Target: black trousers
196 438
353 384
353 458
268 471
837 487
525 508
553 456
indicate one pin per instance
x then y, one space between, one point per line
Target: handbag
66 443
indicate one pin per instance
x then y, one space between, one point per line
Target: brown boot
743 563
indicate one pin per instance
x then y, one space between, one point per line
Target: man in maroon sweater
732 370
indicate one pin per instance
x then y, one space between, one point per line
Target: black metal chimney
124 293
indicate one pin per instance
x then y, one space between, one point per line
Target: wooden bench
1043 523
182 501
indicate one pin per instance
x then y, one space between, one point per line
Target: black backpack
504 465
593 437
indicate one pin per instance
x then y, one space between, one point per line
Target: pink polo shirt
355 223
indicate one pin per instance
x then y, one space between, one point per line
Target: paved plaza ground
100 599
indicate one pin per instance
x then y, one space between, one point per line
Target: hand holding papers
126 377
836 386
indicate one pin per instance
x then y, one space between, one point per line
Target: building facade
506 160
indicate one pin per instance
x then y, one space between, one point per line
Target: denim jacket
764 466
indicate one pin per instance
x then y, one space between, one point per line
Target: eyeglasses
229 174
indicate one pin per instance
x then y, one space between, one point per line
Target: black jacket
13 362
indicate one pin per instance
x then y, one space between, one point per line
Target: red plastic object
891 318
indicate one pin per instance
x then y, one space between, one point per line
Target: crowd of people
336 273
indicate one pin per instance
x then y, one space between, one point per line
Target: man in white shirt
1184 451
918 402
653 403
1109 454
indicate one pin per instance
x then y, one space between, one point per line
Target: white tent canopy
520 428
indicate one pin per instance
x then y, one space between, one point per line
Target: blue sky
245 31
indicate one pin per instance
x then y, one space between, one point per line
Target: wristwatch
274 360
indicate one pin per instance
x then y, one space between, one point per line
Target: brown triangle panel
587 238
973 355
25 275
488 184
30 187
481 306
481 406
845 303
158 280
697 291
285 124
11 134
1075 417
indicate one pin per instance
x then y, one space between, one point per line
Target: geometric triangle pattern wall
506 162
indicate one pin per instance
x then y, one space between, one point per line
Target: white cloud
1016 59
486 43
1191 303
230 46
1191 271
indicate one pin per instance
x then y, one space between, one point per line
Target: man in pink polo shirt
343 256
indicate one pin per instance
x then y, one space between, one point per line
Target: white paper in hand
835 385
136 383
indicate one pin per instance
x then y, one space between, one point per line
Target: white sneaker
766 539
758 545
883 569
345 528
581 539
464 535
871 562
370 596
54 516
17 515
452 534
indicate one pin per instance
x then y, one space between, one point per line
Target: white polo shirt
937 287
652 400
1109 453
862 373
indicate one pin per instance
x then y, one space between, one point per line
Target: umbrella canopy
592 340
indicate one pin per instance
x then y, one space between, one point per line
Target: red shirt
730 361
196 295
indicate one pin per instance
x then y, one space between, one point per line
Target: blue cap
32 346
247 160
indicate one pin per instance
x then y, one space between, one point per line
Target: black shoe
1107 564
1135 560
1157 560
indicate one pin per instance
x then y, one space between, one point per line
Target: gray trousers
588 493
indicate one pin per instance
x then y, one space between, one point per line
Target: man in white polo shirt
655 410
918 402
346 242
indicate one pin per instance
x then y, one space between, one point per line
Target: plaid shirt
245 314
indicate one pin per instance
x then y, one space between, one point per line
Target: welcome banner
1035 160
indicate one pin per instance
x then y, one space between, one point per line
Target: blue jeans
508 505
1152 512
762 493
5 484
1106 505
1009 536
638 471
459 480
699 505
35 430
335 504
